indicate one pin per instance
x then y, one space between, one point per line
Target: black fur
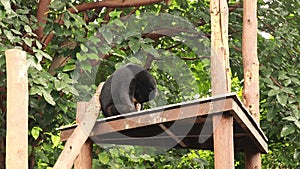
127 86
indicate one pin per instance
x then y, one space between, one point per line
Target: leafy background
63 50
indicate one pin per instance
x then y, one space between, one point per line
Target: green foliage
280 82
181 68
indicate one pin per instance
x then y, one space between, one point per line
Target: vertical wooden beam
220 69
17 110
252 159
250 59
84 159
251 73
223 141
221 84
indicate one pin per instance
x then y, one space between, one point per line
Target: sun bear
125 88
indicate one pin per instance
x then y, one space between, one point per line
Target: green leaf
287 82
271 114
86 66
63 76
119 23
28 42
282 99
108 35
134 45
55 140
35 132
282 75
152 51
39 45
35 90
59 85
84 48
115 14
295 80
81 57
93 56
9 35
287 130
46 55
22 11
16 32
288 90
273 92
6 4
104 49
69 67
103 158
47 96
28 29
290 118
297 123
40 81
135 60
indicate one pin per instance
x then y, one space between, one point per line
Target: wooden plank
81 132
80 112
163 141
223 141
17 110
72 149
84 159
247 125
173 136
162 116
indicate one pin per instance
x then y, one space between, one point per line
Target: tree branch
112 4
276 82
233 7
89 6
101 4
41 17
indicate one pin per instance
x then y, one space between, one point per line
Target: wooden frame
137 128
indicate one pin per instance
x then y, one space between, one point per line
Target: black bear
127 86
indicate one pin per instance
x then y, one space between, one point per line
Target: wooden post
223 141
251 73
221 84
17 110
220 69
84 159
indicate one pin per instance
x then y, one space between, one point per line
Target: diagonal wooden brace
86 122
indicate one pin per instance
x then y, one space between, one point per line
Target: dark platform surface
182 125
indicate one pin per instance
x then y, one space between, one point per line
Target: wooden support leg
252 159
84 159
17 110
223 141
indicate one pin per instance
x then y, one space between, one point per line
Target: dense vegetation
72 46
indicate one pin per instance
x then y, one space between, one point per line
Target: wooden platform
183 125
